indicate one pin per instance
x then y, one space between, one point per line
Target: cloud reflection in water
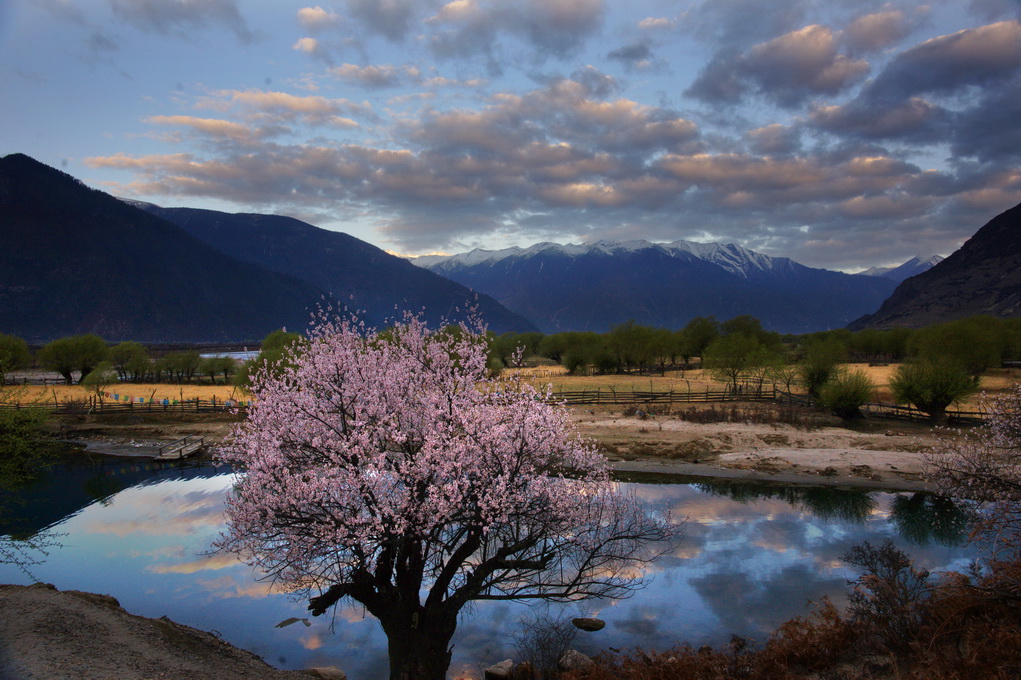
750 558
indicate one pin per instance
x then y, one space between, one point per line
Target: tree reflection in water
920 518
924 518
20 467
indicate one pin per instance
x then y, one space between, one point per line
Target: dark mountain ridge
982 277
77 260
358 274
601 285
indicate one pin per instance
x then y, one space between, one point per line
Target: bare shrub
541 639
887 598
801 418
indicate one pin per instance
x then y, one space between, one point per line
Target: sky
842 134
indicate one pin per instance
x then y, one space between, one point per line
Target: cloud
774 139
550 28
376 75
991 10
182 18
733 24
638 55
874 32
270 107
208 563
391 19
951 63
915 120
656 23
308 46
213 128
914 98
989 130
787 70
315 19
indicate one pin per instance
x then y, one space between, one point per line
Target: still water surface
751 557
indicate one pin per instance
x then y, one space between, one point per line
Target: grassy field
159 392
995 381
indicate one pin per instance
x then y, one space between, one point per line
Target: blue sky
843 134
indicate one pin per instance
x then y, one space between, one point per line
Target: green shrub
932 385
845 392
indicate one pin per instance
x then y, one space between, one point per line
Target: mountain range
600 285
357 274
982 277
912 267
77 260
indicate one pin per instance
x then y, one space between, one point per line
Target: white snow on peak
914 265
734 258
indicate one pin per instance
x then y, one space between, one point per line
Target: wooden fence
109 406
612 397
25 380
94 405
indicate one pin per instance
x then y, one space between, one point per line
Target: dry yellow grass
681 381
63 393
995 381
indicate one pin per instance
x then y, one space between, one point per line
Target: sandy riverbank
874 454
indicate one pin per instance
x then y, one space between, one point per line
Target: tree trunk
419 645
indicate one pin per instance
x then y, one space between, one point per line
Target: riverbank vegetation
901 621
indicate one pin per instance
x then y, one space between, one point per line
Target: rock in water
589 624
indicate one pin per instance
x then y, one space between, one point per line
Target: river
751 556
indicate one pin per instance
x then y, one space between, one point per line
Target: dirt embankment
49 634
879 454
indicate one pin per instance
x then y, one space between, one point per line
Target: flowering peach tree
388 468
984 464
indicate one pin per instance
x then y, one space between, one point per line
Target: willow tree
389 469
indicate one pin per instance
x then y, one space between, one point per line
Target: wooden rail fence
610 396
600 396
109 406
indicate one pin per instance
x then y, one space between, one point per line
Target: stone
328 673
523 671
589 624
573 660
499 671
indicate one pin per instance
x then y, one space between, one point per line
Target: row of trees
126 361
943 362
980 341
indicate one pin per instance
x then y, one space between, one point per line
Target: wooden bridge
182 448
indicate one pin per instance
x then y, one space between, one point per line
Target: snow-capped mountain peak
734 258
